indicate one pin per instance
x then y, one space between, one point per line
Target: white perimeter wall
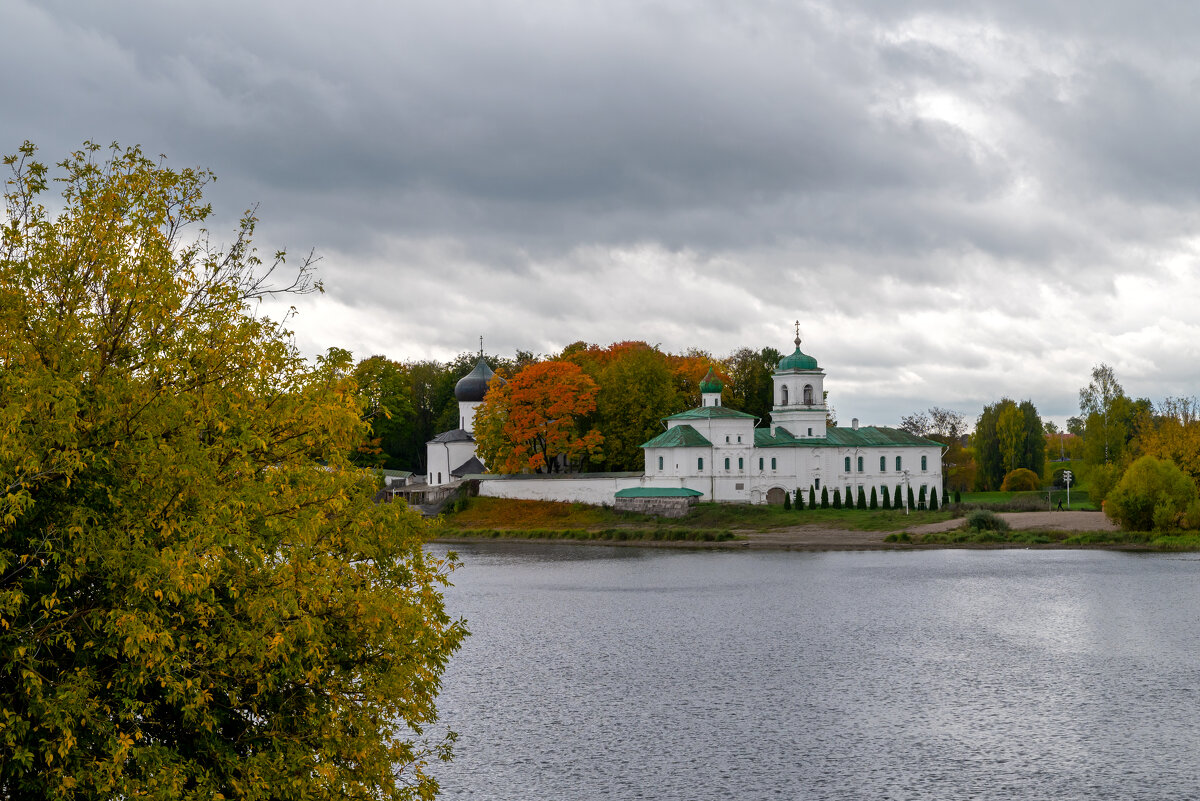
599 491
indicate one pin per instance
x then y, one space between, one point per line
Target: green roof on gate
658 492
683 436
837 437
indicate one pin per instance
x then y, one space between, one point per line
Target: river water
629 673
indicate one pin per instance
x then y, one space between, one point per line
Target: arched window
860 462
660 462
808 395
772 462
700 463
726 462
924 463
847 464
898 468
760 462
784 396
439 477
882 464
740 463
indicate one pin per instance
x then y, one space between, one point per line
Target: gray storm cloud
958 201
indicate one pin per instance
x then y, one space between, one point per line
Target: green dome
711 383
798 361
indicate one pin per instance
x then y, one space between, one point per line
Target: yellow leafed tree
198 598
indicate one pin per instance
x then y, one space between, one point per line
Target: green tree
750 385
636 391
887 501
1097 399
862 498
1152 494
921 498
911 504
933 500
1007 436
875 498
388 408
799 500
1021 480
198 597
1111 439
837 498
812 497
824 497
787 501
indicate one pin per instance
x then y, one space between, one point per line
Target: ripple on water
611 673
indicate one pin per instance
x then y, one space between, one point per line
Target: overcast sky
957 200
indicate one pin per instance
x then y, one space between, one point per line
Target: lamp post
907 490
1067 480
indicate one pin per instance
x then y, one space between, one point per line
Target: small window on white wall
660 463
924 463
784 396
700 463
882 464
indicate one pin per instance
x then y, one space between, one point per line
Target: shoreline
817 538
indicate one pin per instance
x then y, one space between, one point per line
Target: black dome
474 385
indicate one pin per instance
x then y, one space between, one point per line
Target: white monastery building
718 454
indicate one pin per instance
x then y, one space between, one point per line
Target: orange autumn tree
533 422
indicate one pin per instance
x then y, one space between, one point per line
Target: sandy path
815 537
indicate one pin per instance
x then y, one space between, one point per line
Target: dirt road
817 538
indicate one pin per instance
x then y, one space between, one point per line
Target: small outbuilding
659 501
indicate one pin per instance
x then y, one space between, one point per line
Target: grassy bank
512 517
604 534
1139 540
1026 501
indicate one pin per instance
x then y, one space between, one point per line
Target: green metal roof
710 382
658 492
679 437
863 437
797 361
711 412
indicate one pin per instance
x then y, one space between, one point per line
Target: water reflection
602 672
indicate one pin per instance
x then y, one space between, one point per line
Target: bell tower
799 405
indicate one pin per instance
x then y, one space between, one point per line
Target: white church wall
442 457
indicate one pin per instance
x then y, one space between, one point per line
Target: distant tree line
635 386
